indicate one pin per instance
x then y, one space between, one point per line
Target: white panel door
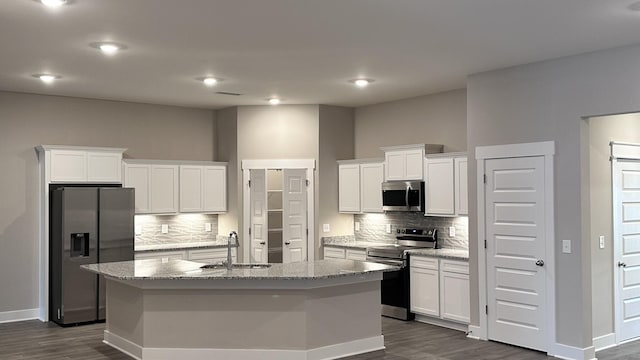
371 178
626 202
294 213
440 186
259 232
515 234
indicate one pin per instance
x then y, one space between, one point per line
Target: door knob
287 242
262 242
540 263
621 264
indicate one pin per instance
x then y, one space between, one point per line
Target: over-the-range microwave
403 196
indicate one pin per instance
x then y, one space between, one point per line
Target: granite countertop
453 254
155 269
181 246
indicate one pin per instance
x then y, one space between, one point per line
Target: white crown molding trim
604 341
326 352
572 353
19 315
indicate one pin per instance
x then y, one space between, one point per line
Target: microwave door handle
406 196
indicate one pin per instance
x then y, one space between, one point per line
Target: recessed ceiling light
53 3
274 101
209 80
108 48
47 78
361 82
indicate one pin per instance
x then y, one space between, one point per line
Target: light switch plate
566 246
165 228
207 226
326 228
452 231
601 241
388 228
356 225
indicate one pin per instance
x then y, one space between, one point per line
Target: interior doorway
278 210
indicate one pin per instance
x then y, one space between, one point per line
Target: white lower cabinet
341 253
209 256
440 288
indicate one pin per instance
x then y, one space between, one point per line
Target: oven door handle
386 262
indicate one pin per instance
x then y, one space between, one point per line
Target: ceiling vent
227 93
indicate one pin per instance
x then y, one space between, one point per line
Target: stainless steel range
395 285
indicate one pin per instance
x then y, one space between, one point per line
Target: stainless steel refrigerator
87 225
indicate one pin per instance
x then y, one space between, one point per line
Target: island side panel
343 314
125 313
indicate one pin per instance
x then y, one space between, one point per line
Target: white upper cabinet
439 186
164 189
371 178
138 176
203 188
461 194
349 188
79 164
446 184
360 186
406 162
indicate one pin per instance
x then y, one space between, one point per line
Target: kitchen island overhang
313 310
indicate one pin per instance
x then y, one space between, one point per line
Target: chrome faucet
232 236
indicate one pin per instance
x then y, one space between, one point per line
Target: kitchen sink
236 266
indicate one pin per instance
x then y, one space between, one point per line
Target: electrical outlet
138 229
452 231
326 228
356 225
207 227
165 228
601 241
388 228
566 246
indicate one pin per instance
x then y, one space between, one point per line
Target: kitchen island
323 309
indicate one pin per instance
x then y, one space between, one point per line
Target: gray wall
148 131
431 119
546 101
227 150
336 143
602 130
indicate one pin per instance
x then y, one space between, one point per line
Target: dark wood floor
404 341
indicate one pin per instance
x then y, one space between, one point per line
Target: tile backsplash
183 228
373 227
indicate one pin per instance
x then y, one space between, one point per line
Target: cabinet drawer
211 255
336 253
460 267
423 262
163 255
356 254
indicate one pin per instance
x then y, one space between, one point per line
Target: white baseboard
327 352
475 332
604 341
572 353
444 323
19 315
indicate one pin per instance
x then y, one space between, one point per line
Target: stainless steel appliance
395 285
87 225
403 196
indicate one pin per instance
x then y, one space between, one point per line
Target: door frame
546 149
309 165
619 151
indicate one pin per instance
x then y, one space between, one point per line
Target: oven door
394 290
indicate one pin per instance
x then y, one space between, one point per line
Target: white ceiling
303 51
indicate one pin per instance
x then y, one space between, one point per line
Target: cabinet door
191 188
371 178
439 186
349 188
68 166
454 296
138 176
424 285
395 166
164 188
414 160
104 167
461 195
334 253
211 256
215 189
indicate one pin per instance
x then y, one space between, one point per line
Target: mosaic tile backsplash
373 227
183 228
